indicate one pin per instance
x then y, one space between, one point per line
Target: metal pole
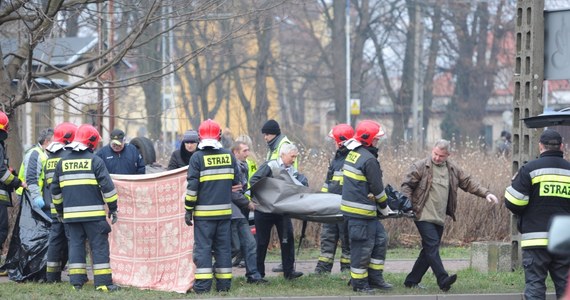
347 36
164 79
417 88
111 42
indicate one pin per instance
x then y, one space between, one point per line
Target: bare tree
478 31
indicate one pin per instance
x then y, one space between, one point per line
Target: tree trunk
339 60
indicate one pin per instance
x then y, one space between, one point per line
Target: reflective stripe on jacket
362 175
81 187
32 171
540 190
334 180
211 175
49 170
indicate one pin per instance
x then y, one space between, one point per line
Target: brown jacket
417 183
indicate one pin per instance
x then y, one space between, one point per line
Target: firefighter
362 176
8 182
211 176
332 232
57 254
81 187
539 191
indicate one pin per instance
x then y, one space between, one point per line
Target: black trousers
97 232
429 256
3 225
57 253
368 243
330 235
212 236
263 224
537 264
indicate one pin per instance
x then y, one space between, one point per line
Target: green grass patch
469 281
274 254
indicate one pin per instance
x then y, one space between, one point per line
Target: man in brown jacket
431 184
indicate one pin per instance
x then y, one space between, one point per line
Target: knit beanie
190 136
271 127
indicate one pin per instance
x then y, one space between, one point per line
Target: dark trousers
3 225
97 232
429 256
367 251
330 235
537 264
212 236
248 246
57 252
236 247
263 224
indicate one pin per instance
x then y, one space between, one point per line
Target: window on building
43 116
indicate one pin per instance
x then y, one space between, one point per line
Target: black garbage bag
399 203
27 254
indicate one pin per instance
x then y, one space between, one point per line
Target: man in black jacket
121 157
539 191
181 157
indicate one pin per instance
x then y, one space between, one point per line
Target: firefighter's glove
188 218
60 218
386 211
113 217
39 202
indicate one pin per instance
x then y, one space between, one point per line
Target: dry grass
477 220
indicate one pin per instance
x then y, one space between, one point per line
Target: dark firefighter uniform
57 247
80 189
211 175
540 190
362 175
8 182
331 233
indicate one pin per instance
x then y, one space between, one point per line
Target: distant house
77 106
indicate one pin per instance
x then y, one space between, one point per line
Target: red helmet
367 131
4 122
64 133
87 135
210 129
341 133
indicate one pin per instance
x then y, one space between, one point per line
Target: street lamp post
347 36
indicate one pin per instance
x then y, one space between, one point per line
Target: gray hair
44 135
287 148
443 145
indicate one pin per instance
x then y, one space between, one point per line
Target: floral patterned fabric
151 246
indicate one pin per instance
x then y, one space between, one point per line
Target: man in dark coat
181 157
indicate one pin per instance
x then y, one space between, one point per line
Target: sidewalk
391 266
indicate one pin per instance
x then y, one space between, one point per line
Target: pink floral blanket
151 246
